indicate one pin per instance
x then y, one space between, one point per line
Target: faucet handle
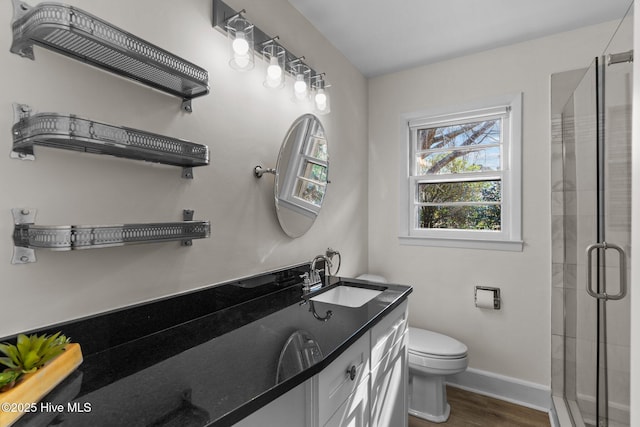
305 279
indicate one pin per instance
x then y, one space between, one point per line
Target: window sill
496 245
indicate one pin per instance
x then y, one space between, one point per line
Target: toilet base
434 419
428 396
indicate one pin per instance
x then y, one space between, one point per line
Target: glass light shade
240 33
302 84
275 54
321 100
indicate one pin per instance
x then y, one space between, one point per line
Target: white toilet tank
372 278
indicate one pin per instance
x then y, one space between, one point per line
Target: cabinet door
338 381
388 332
389 388
354 411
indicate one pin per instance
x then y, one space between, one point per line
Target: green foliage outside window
471 204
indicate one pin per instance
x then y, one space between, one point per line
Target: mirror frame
303 156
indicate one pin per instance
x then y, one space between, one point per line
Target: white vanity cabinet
366 386
342 388
354 411
389 370
377 397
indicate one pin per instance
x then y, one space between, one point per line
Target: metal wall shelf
71 132
27 236
87 38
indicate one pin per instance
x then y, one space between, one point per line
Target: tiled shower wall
563 361
563 295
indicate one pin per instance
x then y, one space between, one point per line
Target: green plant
8 379
32 352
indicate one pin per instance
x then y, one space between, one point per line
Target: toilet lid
432 343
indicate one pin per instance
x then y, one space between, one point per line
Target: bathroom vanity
221 356
364 386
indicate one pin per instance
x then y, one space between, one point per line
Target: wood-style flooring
474 410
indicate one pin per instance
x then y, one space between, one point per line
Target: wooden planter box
33 387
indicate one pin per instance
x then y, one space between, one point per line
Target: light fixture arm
317 81
269 41
235 15
296 61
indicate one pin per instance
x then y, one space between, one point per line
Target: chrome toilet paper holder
496 295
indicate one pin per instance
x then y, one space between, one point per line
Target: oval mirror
301 175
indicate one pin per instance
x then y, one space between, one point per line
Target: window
306 174
462 177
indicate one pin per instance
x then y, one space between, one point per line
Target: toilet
432 357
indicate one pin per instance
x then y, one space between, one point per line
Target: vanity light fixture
276 56
321 100
243 36
240 34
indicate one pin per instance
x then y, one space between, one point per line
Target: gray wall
514 341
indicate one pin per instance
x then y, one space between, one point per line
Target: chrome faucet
315 274
312 280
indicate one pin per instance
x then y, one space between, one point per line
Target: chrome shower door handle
623 271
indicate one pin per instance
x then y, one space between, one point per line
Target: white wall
242 122
514 341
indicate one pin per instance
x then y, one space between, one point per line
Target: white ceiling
379 37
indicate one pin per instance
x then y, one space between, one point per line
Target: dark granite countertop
206 358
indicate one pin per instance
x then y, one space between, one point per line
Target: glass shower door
597 225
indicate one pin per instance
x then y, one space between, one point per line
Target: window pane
317 147
466 191
310 192
315 172
460 135
458 161
484 217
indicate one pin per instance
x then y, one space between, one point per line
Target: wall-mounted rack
71 132
27 236
87 38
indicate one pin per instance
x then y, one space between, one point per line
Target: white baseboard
501 387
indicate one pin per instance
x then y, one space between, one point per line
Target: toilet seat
433 345
431 366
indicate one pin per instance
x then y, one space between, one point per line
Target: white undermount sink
347 296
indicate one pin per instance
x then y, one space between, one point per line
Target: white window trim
511 238
295 172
